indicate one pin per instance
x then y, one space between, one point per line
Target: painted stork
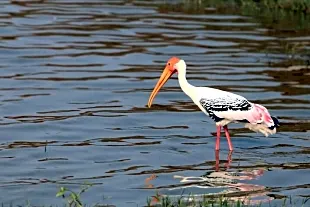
222 106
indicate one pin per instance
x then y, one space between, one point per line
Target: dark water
75 80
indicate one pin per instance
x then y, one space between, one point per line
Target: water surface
75 80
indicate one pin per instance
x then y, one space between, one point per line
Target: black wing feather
224 104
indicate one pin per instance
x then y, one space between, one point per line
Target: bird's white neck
186 87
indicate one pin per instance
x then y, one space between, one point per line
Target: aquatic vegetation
210 202
72 198
168 202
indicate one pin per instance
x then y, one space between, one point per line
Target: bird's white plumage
222 98
226 107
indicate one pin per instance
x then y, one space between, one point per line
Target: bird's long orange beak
167 73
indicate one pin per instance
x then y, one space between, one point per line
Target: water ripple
75 79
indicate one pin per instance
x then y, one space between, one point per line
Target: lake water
75 79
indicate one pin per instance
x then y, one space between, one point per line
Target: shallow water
75 80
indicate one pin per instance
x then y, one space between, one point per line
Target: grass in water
73 199
216 202
206 202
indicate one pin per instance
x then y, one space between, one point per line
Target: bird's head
174 65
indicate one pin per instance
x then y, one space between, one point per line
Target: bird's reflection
222 182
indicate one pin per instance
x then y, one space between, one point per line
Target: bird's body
225 107
222 106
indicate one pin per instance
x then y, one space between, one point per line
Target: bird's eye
169 64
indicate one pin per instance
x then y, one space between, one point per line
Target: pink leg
218 136
217 160
228 138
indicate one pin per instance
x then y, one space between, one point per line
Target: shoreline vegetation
291 17
296 6
301 6
283 15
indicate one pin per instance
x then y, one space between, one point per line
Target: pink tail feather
264 115
261 121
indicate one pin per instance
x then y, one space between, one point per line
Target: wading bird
222 106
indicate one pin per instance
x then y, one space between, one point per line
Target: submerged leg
218 136
229 160
228 138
